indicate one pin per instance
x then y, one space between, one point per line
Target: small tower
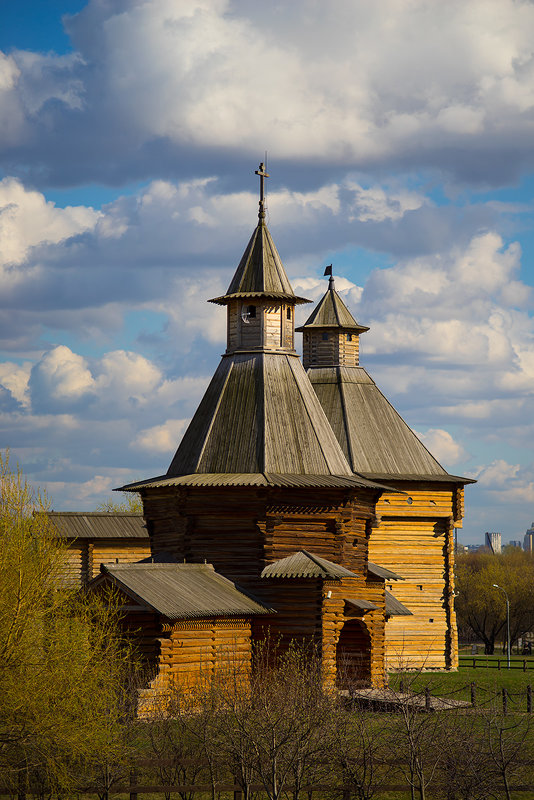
260 300
331 334
415 531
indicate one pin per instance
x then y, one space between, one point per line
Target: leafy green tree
481 608
130 503
62 665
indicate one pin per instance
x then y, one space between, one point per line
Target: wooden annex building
298 505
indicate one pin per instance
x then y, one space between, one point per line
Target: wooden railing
483 662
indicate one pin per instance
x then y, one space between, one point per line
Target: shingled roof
259 414
98 525
260 272
375 439
331 312
304 564
183 591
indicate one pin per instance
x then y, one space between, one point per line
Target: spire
331 334
331 312
260 272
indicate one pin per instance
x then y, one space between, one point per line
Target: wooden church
298 506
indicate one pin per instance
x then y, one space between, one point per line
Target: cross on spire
262 174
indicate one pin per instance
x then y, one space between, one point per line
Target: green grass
489 682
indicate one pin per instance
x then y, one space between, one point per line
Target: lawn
489 681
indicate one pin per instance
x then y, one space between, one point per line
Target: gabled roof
394 607
259 415
360 605
260 272
372 434
331 312
182 591
382 572
98 525
304 564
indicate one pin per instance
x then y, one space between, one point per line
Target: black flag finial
328 270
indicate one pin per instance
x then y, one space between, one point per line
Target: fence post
529 699
133 782
498 663
473 694
504 700
474 663
401 686
524 665
428 705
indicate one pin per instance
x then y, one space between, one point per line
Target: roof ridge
316 559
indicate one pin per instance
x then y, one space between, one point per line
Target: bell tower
260 301
331 334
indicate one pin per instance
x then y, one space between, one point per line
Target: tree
131 503
62 665
482 608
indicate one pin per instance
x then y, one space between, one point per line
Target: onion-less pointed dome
375 439
331 312
260 272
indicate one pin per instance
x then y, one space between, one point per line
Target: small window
349 337
251 312
431 620
420 587
289 312
325 337
409 500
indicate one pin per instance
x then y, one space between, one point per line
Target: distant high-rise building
493 541
528 541
514 543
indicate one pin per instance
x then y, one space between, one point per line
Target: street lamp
495 586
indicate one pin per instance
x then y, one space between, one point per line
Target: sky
399 138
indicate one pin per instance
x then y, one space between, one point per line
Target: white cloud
61 376
337 82
507 483
15 378
161 438
443 446
27 219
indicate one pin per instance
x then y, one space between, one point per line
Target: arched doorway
353 655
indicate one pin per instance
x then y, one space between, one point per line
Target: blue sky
399 141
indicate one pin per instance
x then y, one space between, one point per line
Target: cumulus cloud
171 246
443 446
161 438
507 483
27 219
326 84
60 380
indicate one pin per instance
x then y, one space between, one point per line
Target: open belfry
298 506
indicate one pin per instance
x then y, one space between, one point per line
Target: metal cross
261 172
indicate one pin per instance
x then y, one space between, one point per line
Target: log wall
336 349
82 557
242 530
415 539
